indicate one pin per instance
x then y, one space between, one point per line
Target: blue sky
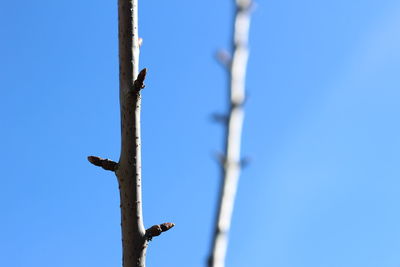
321 128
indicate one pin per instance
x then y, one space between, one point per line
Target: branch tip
106 164
157 229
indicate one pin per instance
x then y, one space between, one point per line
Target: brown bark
128 170
129 175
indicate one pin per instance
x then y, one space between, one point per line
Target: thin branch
134 236
129 168
231 165
134 243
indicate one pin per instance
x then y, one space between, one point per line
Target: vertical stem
128 173
231 166
129 168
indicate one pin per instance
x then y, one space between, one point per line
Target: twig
128 170
231 164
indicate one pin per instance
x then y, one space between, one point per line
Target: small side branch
106 164
157 229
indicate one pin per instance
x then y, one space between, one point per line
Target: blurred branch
231 164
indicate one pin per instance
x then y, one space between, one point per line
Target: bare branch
106 164
129 172
129 168
231 162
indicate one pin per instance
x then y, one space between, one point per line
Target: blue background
322 129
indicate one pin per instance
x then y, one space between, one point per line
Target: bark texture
231 162
128 170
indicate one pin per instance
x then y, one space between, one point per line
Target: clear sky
322 130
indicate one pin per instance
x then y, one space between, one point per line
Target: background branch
231 165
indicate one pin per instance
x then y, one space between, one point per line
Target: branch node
237 104
106 164
240 103
222 160
138 84
157 229
245 5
